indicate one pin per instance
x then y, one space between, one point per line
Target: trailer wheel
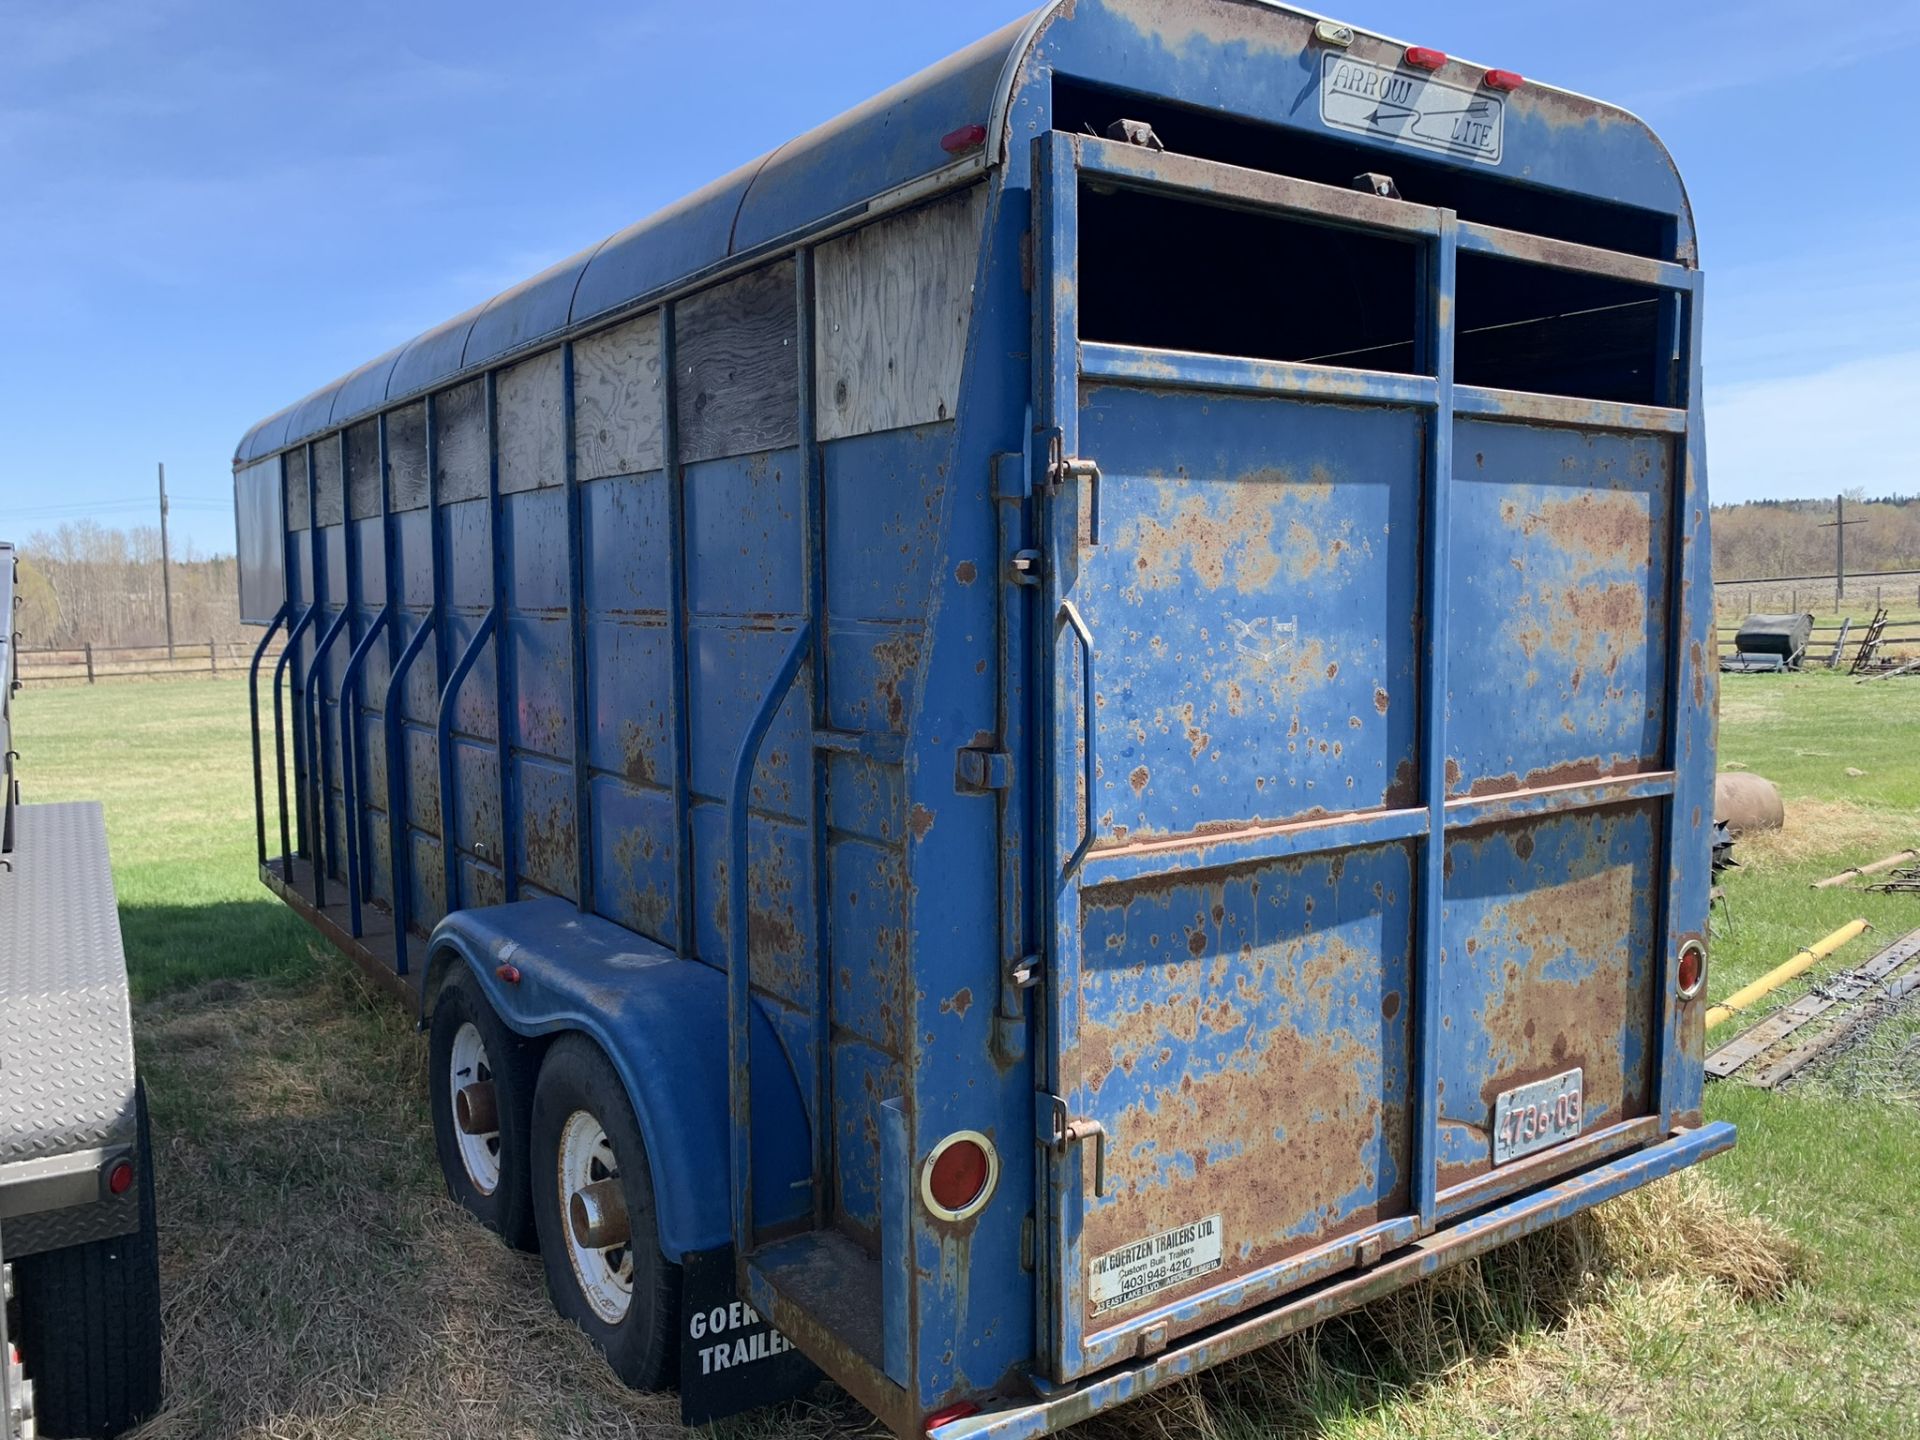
481 1078
593 1199
90 1322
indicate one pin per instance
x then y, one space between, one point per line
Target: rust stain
920 821
965 572
1138 779
1380 700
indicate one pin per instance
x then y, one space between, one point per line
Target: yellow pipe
1802 962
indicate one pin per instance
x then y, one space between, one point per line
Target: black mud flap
731 1360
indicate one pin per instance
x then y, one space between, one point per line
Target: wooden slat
528 400
407 456
460 418
330 502
617 399
363 470
737 388
894 300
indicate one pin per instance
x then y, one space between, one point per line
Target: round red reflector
507 974
1502 80
120 1178
1692 970
959 1176
1421 58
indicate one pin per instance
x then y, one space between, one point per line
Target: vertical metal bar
503 651
1688 739
443 737
390 542
577 627
674 477
814 562
399 841
315 825
349 717
296 675
1437 307
740 1011
253 715
353 782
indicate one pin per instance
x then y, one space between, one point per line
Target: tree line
87 584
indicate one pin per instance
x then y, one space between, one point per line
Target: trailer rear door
1361 727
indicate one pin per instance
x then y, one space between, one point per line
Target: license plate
1536 1117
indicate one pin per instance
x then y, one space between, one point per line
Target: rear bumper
1449 1246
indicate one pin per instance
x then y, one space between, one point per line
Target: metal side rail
63 999
1520 1216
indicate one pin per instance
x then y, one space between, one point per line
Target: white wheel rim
605 1276
479 1154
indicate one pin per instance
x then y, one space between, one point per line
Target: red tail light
1502 80
1421 58
959 1175
120 1177
967 137
1691 973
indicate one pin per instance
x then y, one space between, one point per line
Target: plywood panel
363 470
299 515
407 457
617 406
894 300
329 502
528 400
460 420
736 389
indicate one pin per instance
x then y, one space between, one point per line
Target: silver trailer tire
590 1170
90 1322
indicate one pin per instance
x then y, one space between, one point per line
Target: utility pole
166 577
1839 525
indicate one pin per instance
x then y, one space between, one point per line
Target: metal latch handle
1065 1133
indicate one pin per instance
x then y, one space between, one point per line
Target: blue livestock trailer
1054 732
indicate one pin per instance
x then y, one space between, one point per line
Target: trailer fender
662 1020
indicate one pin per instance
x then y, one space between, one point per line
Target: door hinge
1059 1132
1026 567
978 770
1025 972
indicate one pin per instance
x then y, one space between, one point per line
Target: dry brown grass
320 1284
1826 827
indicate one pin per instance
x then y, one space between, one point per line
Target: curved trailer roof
834 172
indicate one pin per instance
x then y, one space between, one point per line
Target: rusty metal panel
1243 1039
1548 964
1252 597
1557 650
543 826
636 856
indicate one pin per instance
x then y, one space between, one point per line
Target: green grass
297 1175
171 764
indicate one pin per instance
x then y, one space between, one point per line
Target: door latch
1063 1133
1062 468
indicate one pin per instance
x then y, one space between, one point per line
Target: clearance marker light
1502 80
1421 58
967 137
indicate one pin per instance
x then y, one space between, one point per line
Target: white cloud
1814 435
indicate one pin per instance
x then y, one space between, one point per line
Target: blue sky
209 207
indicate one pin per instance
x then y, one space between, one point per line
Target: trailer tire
581 1104
90 1321
487 1177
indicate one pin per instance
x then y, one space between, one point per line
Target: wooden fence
88 664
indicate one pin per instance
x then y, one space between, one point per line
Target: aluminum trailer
1058 730
80 1322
